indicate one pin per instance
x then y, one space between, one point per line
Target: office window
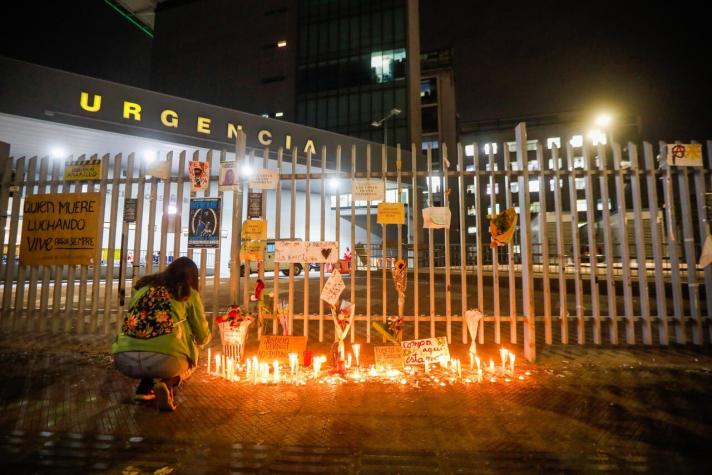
383 64
471 229
429 91
429 119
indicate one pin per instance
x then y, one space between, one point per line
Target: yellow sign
61 229
391 213
390 355
277 348
254 229
82 170
252 251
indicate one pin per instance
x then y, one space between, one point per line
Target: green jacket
190 329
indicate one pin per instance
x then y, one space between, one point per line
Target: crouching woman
161 332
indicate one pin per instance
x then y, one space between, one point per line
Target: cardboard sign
199 174
684 155
333 288
159 169
428 349
61 229
277 348
390 355
436 217
322 251
254 205
254 229
264 179
391 213
204 223
82 170
228 177
289 251
130 207
368 189
252 251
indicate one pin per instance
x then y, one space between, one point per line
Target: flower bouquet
502 227
343 319
234 325
393 331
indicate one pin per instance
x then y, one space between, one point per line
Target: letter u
84 102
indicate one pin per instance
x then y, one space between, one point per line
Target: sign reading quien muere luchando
61 229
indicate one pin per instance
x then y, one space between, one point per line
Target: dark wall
217 51
83 36
516 58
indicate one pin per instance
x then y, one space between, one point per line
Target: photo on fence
199 173
204 223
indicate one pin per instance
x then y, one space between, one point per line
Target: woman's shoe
164 397
144 391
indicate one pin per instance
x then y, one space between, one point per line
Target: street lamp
383 122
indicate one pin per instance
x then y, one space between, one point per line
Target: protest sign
368 189
684 155
130 207
390 355
264 179
277 348
159 168
333 288
254 229
82 170
436 217
429 350
252 250
322 251
254 205
391 213
204 223
289 251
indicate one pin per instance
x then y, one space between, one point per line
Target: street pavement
65 409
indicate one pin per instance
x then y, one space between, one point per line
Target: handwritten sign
436 217
391 213
82 170
199 174
333 288
254 205
289 251
252 250
254 229
684 154
428 349
390 355
61 229
264 179
322 251
278 348
368 189
159 169
228 178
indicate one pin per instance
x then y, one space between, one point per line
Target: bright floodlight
172 209
246 170
334 183
57 152
597 136
603 120
149 155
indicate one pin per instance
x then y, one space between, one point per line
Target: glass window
581 205
383 64
429 91
551 141
399 27
332 118
471 229
429 119
470 151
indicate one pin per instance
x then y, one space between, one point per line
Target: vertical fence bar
124 243
660 298
138 228
560 246
111 245
322 237
247 265
623 242
96 283
576 245
32 323
9 315
180 186
526 244
277 235
58 277
307 222
592 245
510 249
495 252
206 193
445 164
163 249
217 261
399 189
673 251
368 250
431 257
416 241
478 240
236 228
544 243
84 270
7 170
337 219
603 178
354 257
640 250
45 319
463 243
293 200
701 190
25 190
384 237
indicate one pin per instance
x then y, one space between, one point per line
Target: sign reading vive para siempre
61 229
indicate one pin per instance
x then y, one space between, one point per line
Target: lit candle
477 360
293 361
491 366
209 360
357 350
348 361
503 355
472 360
217 365
511 363
224 367
317 365
459 369
275 369
427 367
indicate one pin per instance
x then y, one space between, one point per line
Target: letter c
265 137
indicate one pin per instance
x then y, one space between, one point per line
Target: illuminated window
385 63
471 229
551 141
489 209
279 114
490 146
281 43
576 141
580 183
470 150
581 205
533 186
489 189
433 183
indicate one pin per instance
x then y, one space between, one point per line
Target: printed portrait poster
204 223
228 178
61 229
199 174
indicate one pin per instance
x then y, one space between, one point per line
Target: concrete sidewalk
63 408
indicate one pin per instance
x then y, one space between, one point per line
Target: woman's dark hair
179 277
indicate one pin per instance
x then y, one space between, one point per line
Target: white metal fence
585 284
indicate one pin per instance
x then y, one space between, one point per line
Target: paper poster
388 356
252 251
204 223
436 217
333 288
428 349
199 174
159 168
368 189
254 205
278 348
391 213
322 251
227 179
82 170
264 179
254 229
289 251
61 229
684 155
130 207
